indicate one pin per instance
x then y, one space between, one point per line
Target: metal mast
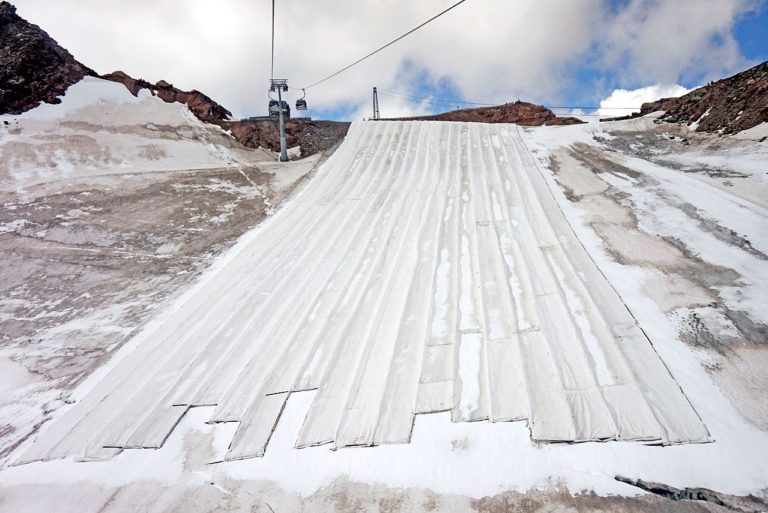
281 85
375 104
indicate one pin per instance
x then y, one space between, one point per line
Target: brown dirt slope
731 105
522 113
33 67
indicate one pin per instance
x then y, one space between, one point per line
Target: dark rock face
522 113
742 503
731 105
202 106
33 67
312 136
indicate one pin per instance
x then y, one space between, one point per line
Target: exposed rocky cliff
33 67
522 113
201 105
313 136
727 106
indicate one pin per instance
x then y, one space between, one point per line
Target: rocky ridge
522 113
33 67
201 105
727 106
312 136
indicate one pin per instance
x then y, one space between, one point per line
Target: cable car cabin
301 103
274 109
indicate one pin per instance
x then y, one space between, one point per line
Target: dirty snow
470 458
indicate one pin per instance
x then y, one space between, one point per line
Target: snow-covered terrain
99 130
594 284
442 279
108 204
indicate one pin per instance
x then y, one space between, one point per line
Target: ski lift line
430 99
594 108
358 61
433 100
437 102
459 104
397 93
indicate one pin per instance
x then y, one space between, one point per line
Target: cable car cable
358 61
432 99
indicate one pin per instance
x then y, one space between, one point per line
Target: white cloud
579 113
391 107
666 40
623 102
489 50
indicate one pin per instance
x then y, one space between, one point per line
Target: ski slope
425 268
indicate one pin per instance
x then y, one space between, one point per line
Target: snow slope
100 129
426 269
108 203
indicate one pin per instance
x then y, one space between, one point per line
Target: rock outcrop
33 67
201 105
727 106
313 136
740 503
522 113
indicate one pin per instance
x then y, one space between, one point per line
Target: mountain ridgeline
34 69
727 106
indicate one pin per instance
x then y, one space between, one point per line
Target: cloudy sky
561 53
